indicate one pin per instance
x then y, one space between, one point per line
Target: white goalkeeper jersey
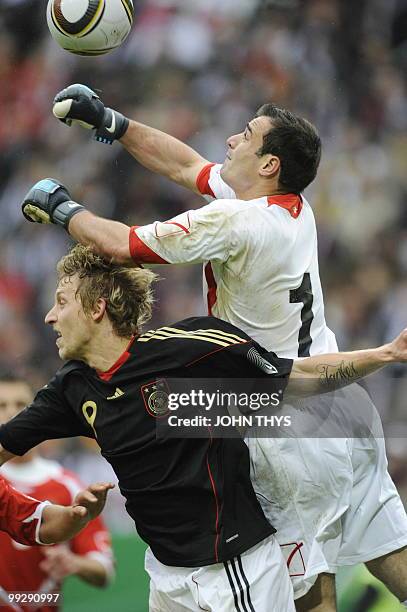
260 264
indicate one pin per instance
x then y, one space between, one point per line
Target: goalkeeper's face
243 166
68 319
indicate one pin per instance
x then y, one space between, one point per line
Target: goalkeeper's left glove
48 201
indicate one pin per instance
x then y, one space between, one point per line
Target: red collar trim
289 201
107 375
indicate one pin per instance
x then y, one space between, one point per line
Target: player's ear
98 310
270 165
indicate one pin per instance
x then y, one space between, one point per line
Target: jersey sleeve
247 370
234 354
245 360
20 515
238 367
210 183
49 417
194 236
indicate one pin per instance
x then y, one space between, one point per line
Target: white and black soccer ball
90 27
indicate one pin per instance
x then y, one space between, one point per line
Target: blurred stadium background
199 69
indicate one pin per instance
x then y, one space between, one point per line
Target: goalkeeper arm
164 154
48 201
156 150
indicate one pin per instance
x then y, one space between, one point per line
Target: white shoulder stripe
167 336
205 331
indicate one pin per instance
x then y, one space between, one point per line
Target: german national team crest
155 396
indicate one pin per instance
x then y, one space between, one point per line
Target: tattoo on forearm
336 376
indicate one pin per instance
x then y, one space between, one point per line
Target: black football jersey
191 499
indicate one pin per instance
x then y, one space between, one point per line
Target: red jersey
20 564
19 514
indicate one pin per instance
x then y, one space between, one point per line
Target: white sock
404 603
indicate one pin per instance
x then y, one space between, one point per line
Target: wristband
63 213
114 126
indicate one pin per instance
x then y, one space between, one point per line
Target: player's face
14 397
73 326
241 168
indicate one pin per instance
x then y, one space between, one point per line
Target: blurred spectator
42 569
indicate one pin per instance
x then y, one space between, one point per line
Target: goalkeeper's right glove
79 104
48 201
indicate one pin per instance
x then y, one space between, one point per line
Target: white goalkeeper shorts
331 500
255 581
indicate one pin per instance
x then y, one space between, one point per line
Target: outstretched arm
61 523
152 148
110 239
89 555
191 237
325 373
164 154
30 521
50 202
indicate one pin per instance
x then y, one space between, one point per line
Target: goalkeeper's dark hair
127 291
296 142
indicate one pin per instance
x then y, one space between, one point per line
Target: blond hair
127 291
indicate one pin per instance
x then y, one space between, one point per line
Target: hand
59 563
93 498
398 348
48 201
61 523
79 104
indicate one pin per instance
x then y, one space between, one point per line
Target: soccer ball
89 27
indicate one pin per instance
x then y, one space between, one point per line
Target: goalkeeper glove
49 202
79 104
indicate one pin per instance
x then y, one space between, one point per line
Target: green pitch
129 591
